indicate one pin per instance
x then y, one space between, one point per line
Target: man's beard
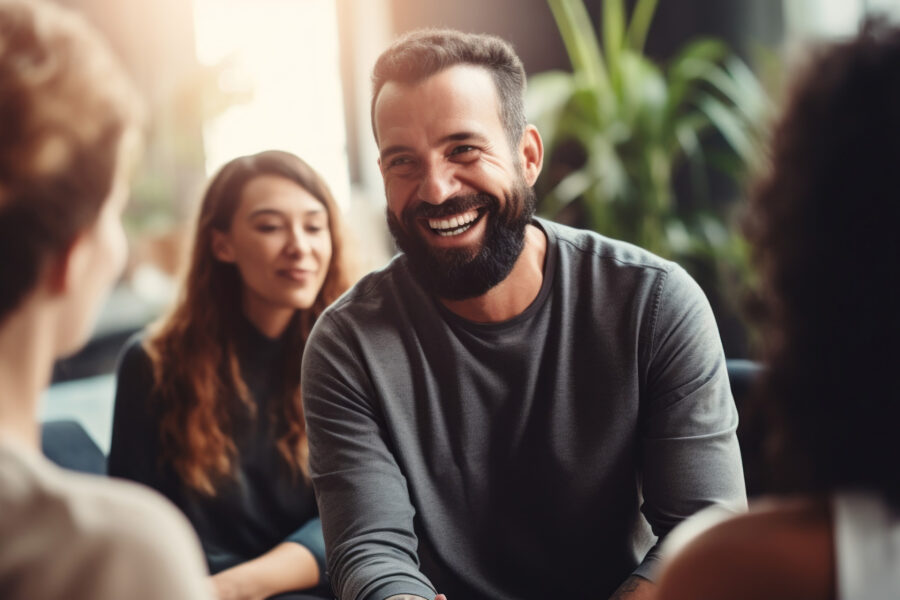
461 273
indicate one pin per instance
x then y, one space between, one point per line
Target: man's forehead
465 92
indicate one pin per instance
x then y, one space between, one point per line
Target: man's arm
690 455
364 503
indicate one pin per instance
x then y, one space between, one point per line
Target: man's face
457 199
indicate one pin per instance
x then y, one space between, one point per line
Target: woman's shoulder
780 549
134 350
135 388
134 360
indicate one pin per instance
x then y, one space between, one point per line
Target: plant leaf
548 92
572 186
547 96
728 122
613 40
746 97
644 97
686 71
753 94
641 18
580 39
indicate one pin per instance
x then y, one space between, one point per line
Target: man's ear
531 154
221 246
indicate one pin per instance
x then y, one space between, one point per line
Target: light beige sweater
64 535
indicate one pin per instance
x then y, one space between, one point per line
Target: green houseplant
637 123
634 124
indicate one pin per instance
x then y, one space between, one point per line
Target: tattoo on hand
632 584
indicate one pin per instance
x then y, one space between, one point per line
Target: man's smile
456 224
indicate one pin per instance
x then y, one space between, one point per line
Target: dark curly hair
823 222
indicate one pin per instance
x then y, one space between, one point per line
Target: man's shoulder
389 284
621 268
590 245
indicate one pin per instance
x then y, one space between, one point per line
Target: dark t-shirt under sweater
540 457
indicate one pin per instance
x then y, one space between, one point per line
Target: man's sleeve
364 504
690 454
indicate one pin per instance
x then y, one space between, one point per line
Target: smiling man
511 409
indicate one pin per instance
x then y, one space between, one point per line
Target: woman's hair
823 223
193 349
65 108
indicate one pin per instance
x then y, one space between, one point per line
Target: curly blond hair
66 109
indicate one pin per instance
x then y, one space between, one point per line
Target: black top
265 504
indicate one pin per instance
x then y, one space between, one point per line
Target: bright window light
286 53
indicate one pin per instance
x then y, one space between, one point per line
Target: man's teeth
454 225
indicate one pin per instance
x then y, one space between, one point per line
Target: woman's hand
286 567
229 585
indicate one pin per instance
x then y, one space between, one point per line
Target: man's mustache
450 206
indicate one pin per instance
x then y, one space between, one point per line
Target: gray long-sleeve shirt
538 457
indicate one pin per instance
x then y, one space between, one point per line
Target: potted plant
618 127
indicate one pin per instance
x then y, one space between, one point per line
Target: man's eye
461 150
266 227
400 161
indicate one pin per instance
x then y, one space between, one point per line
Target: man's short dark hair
425 52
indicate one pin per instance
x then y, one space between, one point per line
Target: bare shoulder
780 549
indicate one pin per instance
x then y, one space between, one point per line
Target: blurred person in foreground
69 135
823 223
208 406
511 408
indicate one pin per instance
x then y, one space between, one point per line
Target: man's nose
438 183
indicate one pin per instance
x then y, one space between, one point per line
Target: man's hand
635 588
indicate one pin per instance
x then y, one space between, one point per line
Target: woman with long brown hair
208 407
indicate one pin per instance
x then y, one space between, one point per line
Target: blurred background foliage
200 96
652 122
630 144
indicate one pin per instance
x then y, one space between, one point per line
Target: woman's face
280 242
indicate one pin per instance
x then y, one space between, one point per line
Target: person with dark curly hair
823 226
